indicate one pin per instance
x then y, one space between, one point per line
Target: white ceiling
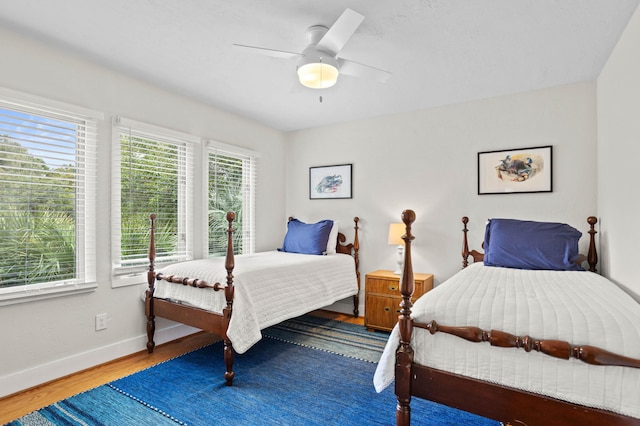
439 51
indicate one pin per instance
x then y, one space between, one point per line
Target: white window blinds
231 187
47 195
152 173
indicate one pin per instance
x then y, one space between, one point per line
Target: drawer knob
387 309
393 287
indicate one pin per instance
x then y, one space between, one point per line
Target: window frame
85 224
134 275
249 221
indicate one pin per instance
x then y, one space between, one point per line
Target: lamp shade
317 71
396 231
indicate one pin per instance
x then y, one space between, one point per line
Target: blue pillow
522 244
307 238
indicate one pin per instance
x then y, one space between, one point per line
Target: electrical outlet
101 322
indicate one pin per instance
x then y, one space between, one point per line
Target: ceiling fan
319 65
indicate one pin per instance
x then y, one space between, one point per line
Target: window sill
135 278
15 295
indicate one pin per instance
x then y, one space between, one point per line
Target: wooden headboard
591 257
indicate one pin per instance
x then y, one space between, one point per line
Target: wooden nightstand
382 297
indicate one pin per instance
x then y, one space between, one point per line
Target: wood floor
17 405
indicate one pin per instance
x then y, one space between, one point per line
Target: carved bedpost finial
465 243
592 256
408 217
356 241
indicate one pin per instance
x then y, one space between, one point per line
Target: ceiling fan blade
269 52
340 32
355 69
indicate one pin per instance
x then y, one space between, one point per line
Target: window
152 173
231 187
47 198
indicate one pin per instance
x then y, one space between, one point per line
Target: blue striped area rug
304 372
330 335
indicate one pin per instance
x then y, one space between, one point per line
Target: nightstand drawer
382 312
383 286
391 287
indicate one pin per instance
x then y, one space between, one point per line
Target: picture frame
330 182
519 170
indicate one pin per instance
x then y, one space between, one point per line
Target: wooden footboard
209 321
508 405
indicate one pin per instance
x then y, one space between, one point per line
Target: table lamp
396 231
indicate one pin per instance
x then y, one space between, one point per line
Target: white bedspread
578 307
270 287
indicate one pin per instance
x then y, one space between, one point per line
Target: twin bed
523 335
236 297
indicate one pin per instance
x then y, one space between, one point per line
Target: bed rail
555 348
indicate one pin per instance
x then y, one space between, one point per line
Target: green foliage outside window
38 214
37 218
225 195
149 184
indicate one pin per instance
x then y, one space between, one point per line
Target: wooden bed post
356 248
228 294
351 249
592 256
477 256
404 353
465 243
151 279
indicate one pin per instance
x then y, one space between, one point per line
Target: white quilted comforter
578 307
270 287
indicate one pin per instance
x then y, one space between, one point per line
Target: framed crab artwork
515 171
330 182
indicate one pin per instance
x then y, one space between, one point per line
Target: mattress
578 307
270 287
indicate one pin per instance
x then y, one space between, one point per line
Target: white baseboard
25 379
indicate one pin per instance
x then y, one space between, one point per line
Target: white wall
618 151
427 161
47 339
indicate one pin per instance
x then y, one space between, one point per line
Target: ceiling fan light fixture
318 73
